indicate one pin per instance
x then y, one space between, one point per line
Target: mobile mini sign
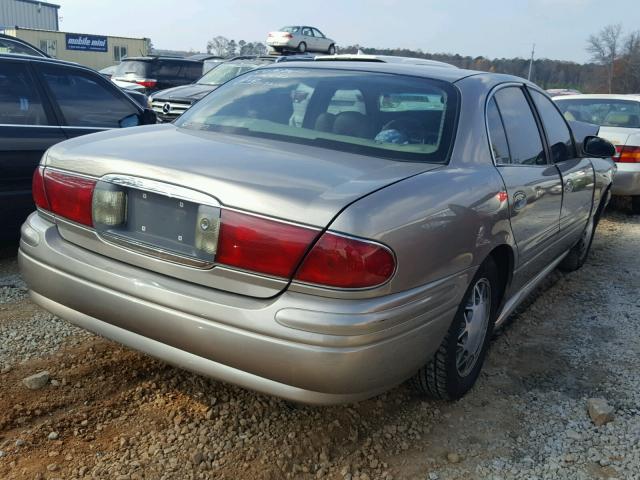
87 43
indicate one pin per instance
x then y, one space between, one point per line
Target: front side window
318 33
558 134
84 100
603 112
20 103
522 131
334 109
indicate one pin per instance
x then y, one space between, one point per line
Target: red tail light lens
147 83
261 245
37 189
288 35
69 196
628 154
345 262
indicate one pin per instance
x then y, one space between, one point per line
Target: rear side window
497 135
192 70
334 109
20 103
558 134
522 130
84 100
168 68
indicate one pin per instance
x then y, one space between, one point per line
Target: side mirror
148 117
598 147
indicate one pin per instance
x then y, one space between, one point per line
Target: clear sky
492 28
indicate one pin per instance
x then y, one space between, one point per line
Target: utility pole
533 50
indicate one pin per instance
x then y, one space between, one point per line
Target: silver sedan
301 39
321 233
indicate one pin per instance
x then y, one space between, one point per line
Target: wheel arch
503 256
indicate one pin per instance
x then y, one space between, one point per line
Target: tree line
224 47
614 65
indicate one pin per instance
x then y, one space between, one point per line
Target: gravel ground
109 412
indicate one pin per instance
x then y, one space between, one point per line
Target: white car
301 39
619 120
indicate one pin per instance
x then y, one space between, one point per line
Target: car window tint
332 109
602 111
167 68
497 135
347 101
522 131
558 134
84 100
20 103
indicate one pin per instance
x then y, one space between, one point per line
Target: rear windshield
391 116
226 71
289 29
603 112
138 68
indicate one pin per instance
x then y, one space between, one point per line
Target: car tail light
69 196
627 154
37 189
147 83
288 35
261 245
109 205
346 262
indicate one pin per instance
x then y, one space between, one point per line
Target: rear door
533 184
85 102
308 38
577 173
27 128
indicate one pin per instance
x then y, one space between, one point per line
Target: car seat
353 124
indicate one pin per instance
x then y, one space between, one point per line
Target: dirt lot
109 412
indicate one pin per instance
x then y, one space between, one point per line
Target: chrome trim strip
273 219
155 252
167 189
53 126
515 300
69 172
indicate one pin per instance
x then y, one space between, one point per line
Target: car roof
450 75
600 96
152 58
34 58
383 58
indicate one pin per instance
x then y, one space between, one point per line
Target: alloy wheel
473 330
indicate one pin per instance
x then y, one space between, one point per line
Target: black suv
158 73
42 102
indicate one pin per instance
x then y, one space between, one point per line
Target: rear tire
580 251
302 47
332 50
635 205
448 376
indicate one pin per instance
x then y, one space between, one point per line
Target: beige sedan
301 39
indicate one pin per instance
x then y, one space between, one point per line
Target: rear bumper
627 179
300 347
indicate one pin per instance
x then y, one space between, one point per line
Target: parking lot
109 412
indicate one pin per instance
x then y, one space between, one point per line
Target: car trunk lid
301 185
